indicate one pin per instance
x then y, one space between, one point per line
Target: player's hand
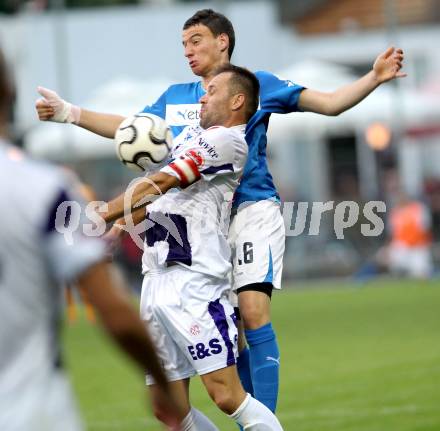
387 65
51 107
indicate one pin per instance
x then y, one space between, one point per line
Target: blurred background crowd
119 55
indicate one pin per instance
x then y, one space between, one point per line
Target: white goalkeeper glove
52 108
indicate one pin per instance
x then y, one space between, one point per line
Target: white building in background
78 51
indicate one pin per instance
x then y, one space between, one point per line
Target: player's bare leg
181 390
254 309
225 390
191 418
241 337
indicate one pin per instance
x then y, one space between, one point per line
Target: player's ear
223 41
238 101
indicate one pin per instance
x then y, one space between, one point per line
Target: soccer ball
143 142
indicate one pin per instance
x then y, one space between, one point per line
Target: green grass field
353 358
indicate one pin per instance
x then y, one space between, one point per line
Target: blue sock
244 370
265 364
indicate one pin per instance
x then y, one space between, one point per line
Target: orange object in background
72 306
409 226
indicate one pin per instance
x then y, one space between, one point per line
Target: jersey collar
241 128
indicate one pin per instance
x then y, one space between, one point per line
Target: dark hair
216 22
7 90
243 80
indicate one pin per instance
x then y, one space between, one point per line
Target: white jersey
188 225
34 259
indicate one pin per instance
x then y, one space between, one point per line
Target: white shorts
191 322
257 239
414 261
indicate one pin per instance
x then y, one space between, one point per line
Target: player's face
202 49
215 110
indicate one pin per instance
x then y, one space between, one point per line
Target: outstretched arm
99 123
386 67
138 196
50 107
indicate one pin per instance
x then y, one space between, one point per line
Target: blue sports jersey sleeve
159 107
277 95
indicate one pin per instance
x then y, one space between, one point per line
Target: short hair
7 89
243 80
216 22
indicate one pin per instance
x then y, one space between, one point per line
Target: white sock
255 416
202 422
188 423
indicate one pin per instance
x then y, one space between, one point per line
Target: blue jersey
180 107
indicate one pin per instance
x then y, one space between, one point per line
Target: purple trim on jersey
179 248
217 312
50 225
215 169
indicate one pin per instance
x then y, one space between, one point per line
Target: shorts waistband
244 205
171 266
